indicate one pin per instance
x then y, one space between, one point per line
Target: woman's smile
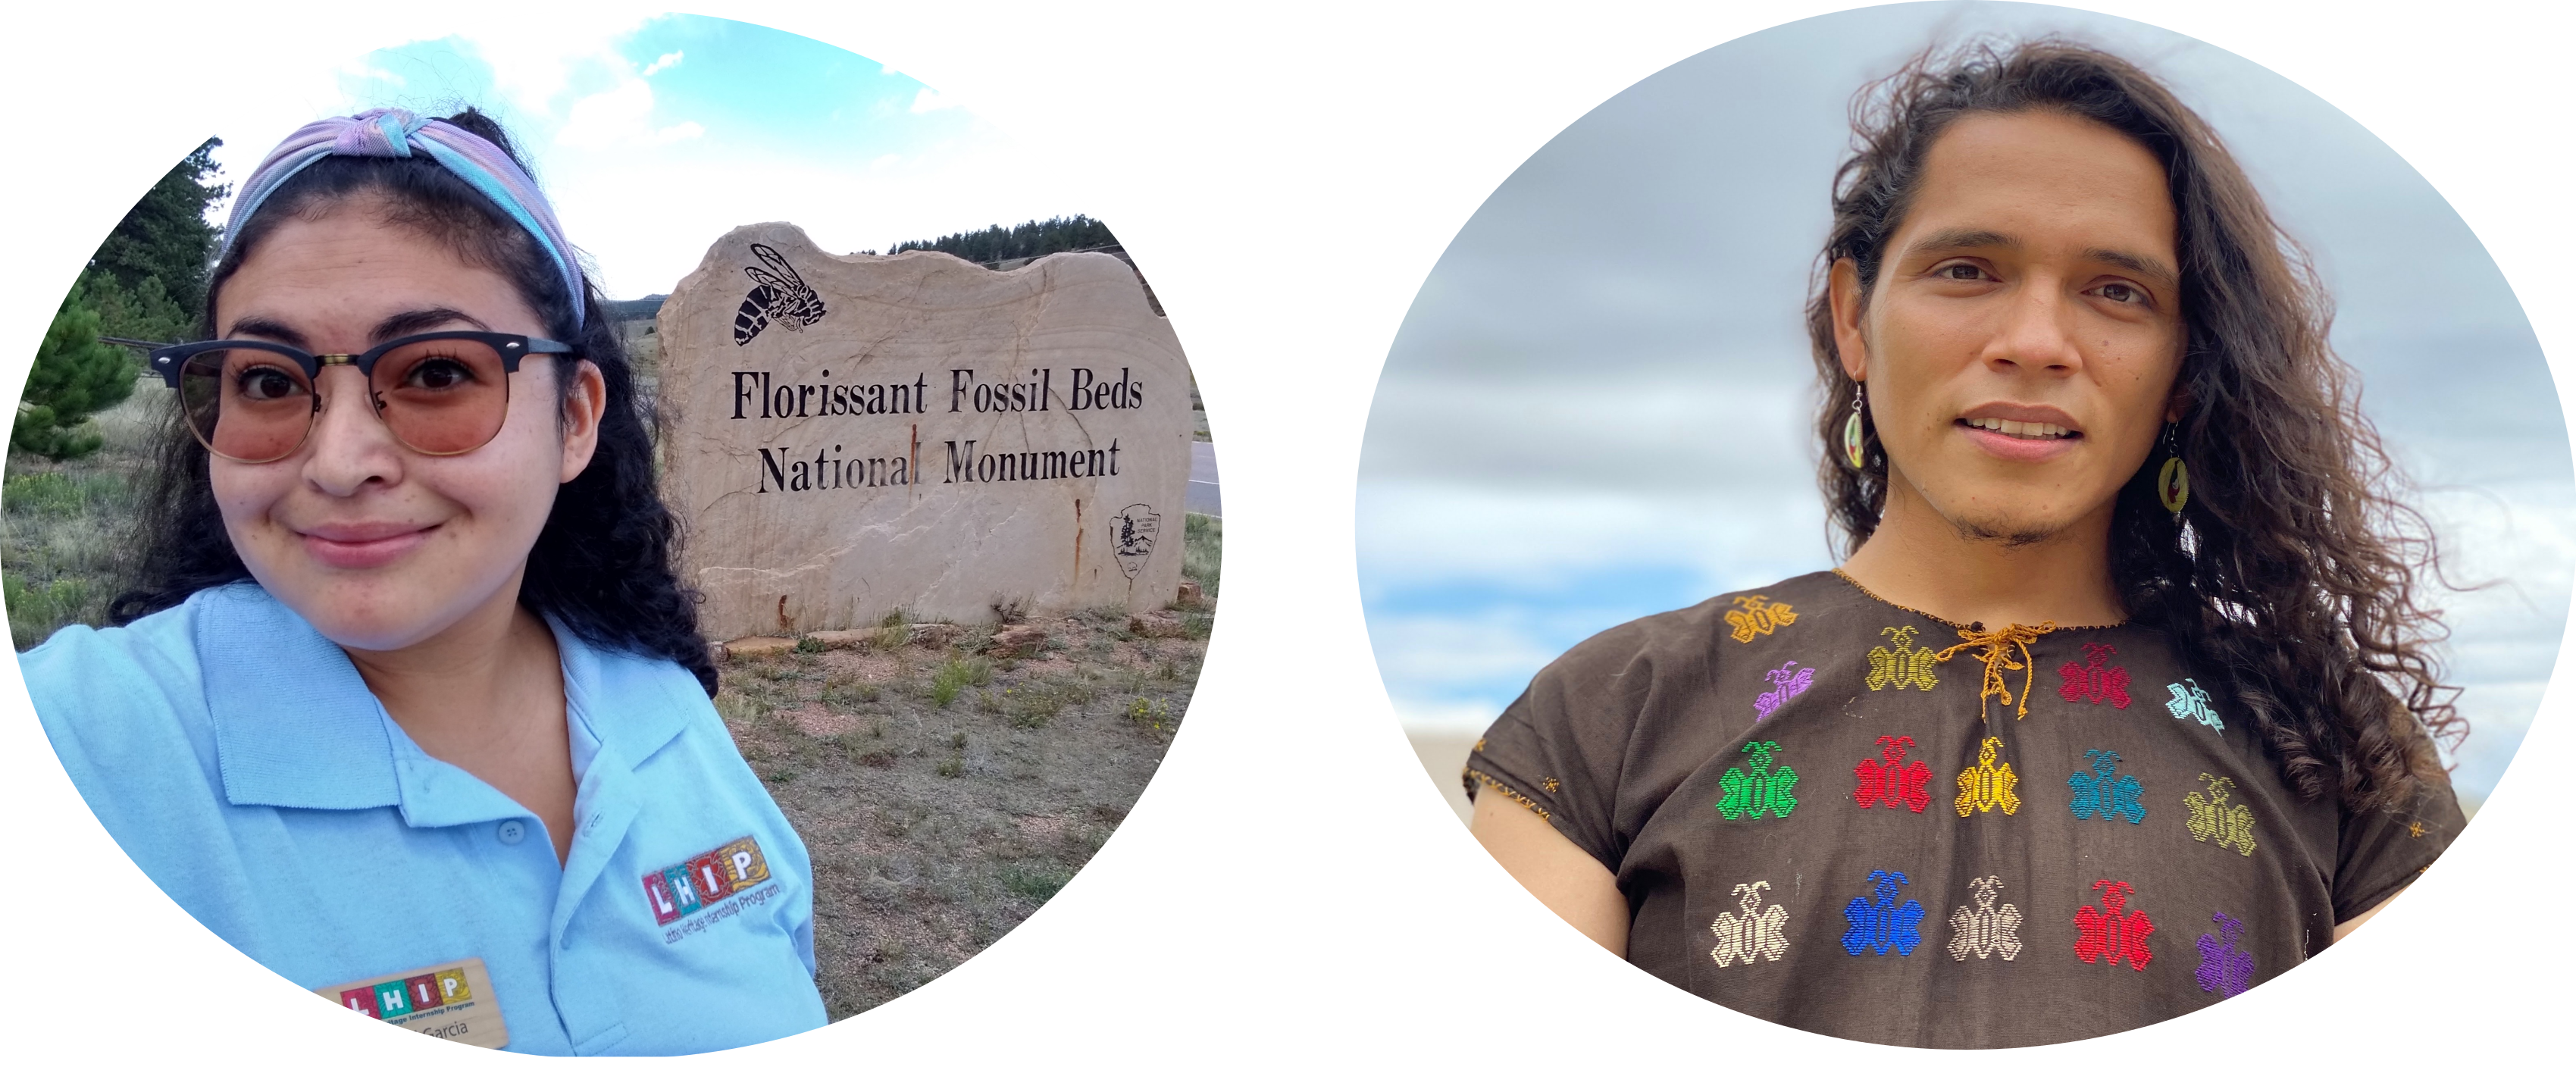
362 544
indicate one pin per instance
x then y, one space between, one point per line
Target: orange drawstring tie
1993 648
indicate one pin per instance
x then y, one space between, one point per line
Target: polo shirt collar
295 725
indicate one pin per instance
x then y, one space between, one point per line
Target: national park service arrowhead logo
1134 529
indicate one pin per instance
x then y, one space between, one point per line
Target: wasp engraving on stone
1753 931
1988 928
778 296
1901 666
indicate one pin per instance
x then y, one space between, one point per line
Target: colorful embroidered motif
1758 616
1986 929
2223 968
2093 681
2113 934
1784 685
1987 784
1549 784
2106 791
1893 782
2212 819
2192 704
1757 789
1901 666
1883 924
1994 649
1755 930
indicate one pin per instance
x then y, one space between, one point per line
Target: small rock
1155 624
840 639
935 635
744 648
1190 593
1017 641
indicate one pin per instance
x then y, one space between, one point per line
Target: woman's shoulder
82 671
125 707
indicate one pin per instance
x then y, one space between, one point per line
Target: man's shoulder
1693 636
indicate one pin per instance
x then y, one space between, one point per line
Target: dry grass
66 527
936 826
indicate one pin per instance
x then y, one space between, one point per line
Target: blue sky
1597 406
655 136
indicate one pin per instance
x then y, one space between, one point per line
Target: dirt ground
945 794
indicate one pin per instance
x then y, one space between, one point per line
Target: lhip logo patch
704 879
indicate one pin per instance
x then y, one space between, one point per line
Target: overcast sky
655 136
1598 405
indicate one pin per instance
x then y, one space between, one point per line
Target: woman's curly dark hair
2294 571
602 564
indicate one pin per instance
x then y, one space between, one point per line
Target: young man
2121 702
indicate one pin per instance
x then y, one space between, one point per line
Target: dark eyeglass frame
511 347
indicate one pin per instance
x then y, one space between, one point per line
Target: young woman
409 706
2122 701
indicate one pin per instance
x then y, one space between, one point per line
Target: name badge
452 1001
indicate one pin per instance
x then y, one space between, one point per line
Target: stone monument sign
851 435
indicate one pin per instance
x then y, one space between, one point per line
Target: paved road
1202 497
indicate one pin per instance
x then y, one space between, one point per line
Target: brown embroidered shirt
1837 814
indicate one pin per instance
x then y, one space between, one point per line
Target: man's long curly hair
2294 571
601 565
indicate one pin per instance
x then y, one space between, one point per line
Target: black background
1286 889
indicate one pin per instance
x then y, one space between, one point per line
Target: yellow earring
1852 450
2173 484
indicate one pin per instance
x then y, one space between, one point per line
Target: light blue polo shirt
239 759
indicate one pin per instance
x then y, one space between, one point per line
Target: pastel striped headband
396 133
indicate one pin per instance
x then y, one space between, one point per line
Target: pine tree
166 237
74 376
1028 240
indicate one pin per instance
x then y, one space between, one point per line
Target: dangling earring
1851 431
2173 484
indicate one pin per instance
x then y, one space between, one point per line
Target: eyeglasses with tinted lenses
440 393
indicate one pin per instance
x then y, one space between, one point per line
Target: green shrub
74 376
1151 713
1202 548
1035 882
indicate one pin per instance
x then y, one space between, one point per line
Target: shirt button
512 832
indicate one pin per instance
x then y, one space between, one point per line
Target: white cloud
666 60
535 60
929 101
621 117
